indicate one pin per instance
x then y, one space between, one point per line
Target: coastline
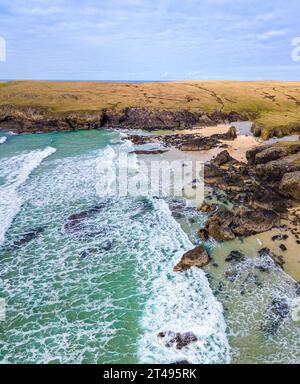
246 289
41 106
238 149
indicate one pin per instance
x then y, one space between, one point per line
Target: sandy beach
237 149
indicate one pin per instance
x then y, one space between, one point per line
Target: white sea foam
3 139
16 171
113 289
181 302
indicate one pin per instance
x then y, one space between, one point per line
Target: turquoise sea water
100 293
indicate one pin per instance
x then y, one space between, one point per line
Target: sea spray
16 171
3 139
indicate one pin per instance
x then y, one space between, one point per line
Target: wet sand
237 148
252 244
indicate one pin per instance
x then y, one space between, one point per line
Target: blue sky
149 39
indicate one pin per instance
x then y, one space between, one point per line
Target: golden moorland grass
271 104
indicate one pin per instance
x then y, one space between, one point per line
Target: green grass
275 106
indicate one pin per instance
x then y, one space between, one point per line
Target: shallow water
247 289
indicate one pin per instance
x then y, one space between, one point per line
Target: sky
150 39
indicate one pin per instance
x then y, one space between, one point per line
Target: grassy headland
273 106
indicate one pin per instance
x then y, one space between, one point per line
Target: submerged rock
26 237
74 221
235 256
278 260
180 340
88 252
275 314
181 362
197 257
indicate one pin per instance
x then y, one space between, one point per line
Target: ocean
102 289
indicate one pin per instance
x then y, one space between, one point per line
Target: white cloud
273 33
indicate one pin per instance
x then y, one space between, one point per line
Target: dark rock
222 158
197 257
264 251
26 237
180 340
88 252
150 119
275 313
251 154
149 152
253 279
256 130
279 261
235 256
270 152
283 247
231 275
181 362
107 245
280 237
250 222
274 171
207 207
203 234
74 221
226 225
141 139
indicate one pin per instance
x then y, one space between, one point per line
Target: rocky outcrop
197 257
26 237
149 152
75 221
266 153
235 256
135 117
184 142
225 225
217 226
29 119
290 184
251 154
179 340
207 207
260 183
222 158
273 171
274 316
